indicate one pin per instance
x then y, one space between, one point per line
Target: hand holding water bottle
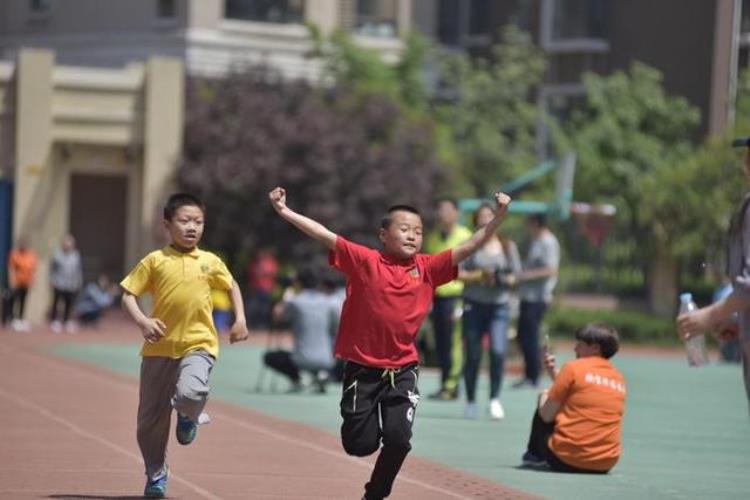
690 326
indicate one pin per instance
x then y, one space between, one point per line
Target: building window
40 6
166 9
377 18
568 67
269 11
580 19
558 102
461 22
745 17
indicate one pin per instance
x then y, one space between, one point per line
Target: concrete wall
68 17
113 33
677 37
7 118
125 123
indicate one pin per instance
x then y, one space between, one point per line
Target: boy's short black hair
385 222
178 200
538 219
308 277
603 335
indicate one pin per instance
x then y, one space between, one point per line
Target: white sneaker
471 411
71 327
56 326
24 326
496 410
16 325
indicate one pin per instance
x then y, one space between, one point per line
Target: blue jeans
479 319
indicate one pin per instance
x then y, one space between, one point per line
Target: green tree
489 114
741 126
483 109
344 158
634 148
692 215
364 71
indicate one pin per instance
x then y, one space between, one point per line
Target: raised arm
313 229
480 237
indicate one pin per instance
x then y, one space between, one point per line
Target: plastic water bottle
697 354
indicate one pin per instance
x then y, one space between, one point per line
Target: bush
633 326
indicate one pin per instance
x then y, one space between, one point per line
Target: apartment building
211 36
694 43
89 151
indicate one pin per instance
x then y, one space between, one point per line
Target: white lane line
254 427
73 427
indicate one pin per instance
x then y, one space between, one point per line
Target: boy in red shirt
388 295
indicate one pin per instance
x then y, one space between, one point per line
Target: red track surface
68 432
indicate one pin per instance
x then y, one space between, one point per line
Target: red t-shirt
386 301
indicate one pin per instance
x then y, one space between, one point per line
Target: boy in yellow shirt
181 343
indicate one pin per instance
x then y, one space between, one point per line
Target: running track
68 432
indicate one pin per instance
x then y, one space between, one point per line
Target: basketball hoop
594 221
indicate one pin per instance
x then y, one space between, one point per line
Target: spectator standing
487 276
447 301
66 278
261 280
22 262
537 282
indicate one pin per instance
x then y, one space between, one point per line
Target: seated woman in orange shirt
576 427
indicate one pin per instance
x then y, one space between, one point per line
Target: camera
502 276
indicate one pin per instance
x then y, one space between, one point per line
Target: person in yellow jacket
447 301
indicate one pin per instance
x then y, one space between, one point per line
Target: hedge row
632 326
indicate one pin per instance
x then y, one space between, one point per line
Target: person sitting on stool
313 318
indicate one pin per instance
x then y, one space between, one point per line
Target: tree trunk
662 282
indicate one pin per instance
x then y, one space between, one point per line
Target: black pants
282 362
66 298
18 302
372 395
538 445
529 320
259 309
90 318
442 324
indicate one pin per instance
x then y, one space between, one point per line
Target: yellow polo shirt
435 243
180 284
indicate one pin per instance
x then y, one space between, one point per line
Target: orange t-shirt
21 267
591 393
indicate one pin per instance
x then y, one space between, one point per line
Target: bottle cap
686 297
